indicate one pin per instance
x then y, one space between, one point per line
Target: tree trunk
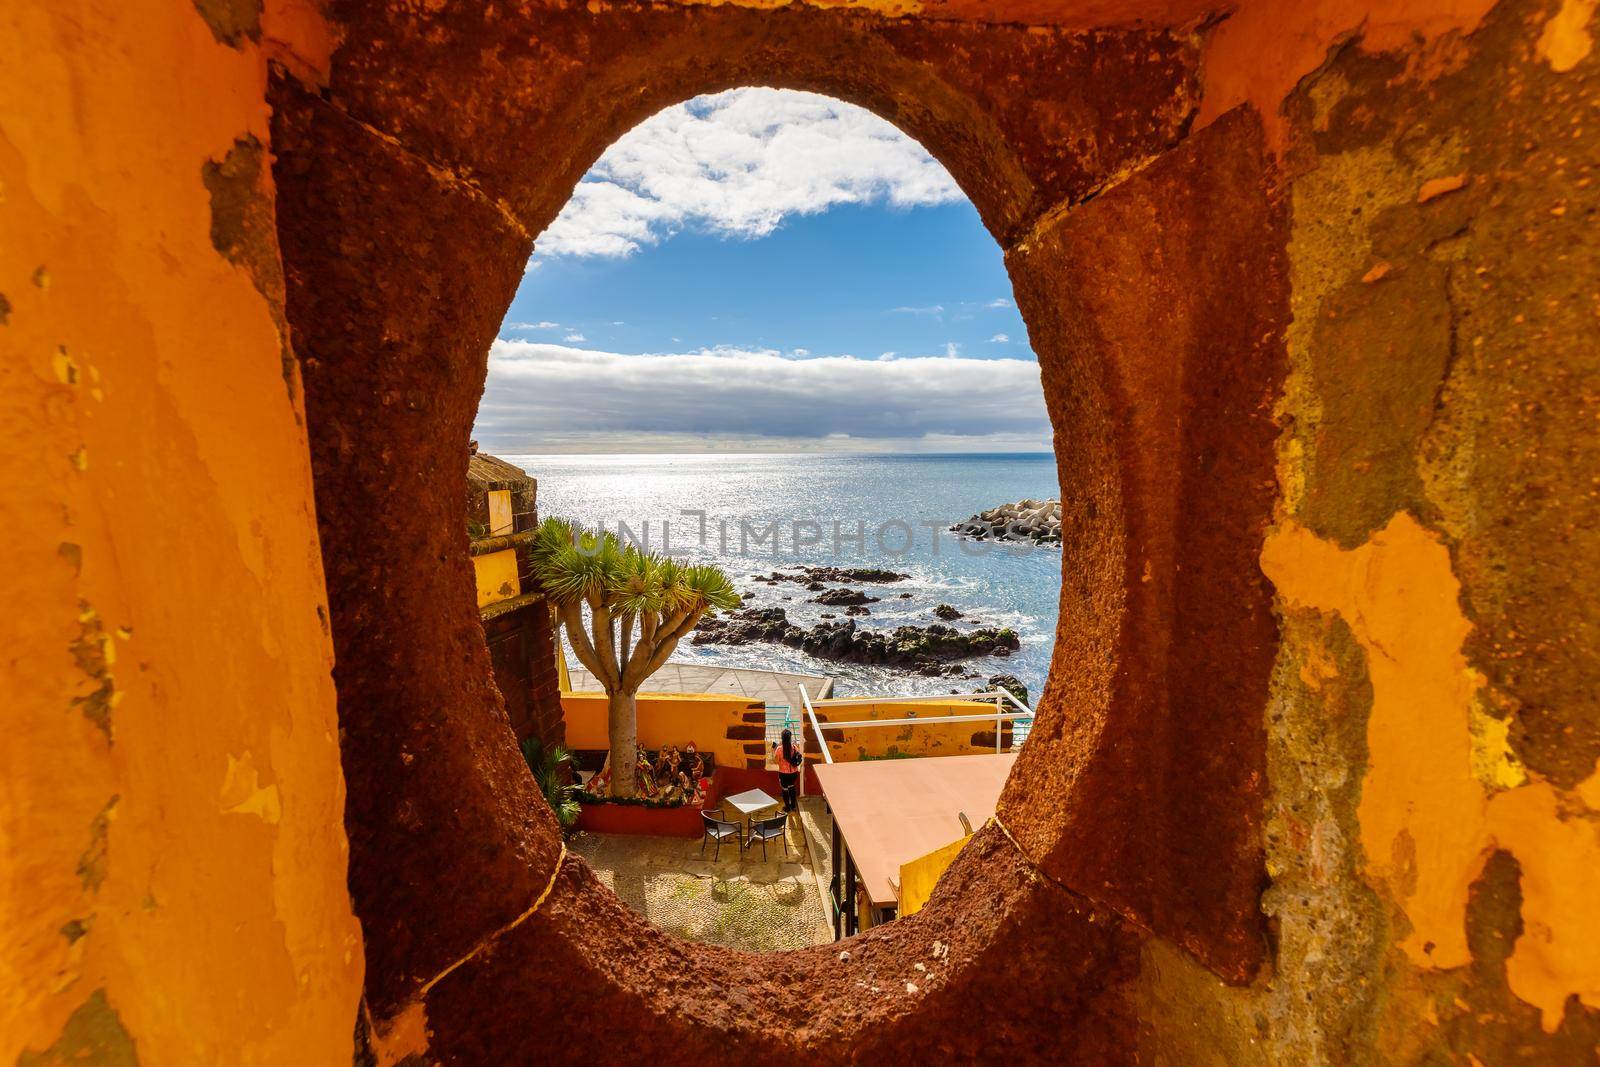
622 721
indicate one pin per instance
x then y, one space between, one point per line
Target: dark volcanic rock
1010 683
907 647
844 596
946 612
743 626
811 575
857 609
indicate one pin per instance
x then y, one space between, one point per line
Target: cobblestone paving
738 901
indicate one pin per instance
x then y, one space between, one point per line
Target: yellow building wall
919 876
172 850
920 739
497 576
673 718
501 521
666 719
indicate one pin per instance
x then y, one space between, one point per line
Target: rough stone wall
1433 832
521 650
1240 379
1155 310
1314 292
449 814
172 863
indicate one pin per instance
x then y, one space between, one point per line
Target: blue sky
764 271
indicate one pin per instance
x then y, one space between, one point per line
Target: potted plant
552 771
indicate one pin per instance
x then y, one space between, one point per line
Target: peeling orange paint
1264 48
1436 187
1566 39
1399 597
1081 14
1427 821
1556 838
402 1038
130 340
243 794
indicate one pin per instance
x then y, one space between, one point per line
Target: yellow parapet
497 576
919 876
707 719
924 738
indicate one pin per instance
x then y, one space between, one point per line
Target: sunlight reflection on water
918 495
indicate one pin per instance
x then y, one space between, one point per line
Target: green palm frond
551 536
711 586
634 587
572 563
675 594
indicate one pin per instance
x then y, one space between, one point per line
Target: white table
748 803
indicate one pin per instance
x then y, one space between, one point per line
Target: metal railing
780 717
1000 698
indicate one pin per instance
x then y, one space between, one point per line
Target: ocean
752 514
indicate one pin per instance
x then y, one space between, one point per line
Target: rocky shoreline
814 577
930 650
1032 521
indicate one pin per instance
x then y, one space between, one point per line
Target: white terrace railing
999 697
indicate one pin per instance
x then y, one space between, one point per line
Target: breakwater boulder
1035 521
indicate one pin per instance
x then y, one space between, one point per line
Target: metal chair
715 829
765 830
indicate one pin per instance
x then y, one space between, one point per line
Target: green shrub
551 769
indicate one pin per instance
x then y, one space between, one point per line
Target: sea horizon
892 510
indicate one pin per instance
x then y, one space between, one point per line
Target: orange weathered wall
497 576
1433 855
920 739
708 718
666 719
172 863
170 796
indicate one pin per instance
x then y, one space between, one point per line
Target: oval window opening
763 471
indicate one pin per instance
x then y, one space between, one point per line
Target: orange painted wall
172 859
932 739
497 577
171 855
673 718
665 719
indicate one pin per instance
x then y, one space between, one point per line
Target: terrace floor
738 901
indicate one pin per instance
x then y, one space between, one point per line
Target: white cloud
543 325
930 309
952 350
574 338
543 395
1000 339
738 163
998 302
